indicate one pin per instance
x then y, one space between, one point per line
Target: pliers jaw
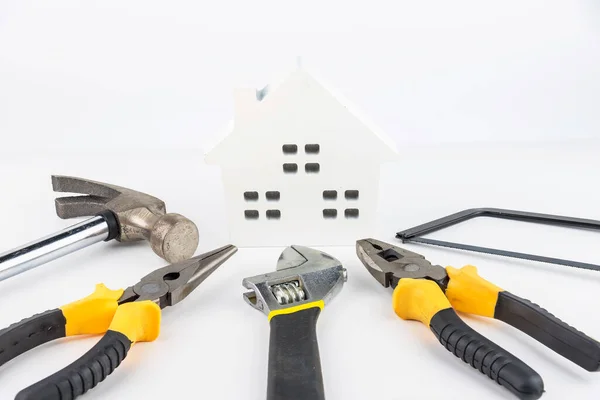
388 264
169 285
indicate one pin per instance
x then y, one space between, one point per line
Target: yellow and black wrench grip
294 361
132 322
423 300
470 293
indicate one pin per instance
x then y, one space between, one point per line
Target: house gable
300 111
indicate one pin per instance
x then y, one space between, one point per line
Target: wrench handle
294 360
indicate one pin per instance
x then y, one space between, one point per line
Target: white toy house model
299 167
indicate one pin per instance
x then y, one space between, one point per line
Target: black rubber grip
294 361
113 225
84 374
549 330
30 333
486 356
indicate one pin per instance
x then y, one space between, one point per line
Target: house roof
263 95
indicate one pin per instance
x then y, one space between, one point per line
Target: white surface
126 82
299 111
426 71
213 345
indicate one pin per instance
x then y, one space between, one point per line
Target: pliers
431 294
124 316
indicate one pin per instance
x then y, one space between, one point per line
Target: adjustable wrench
292 298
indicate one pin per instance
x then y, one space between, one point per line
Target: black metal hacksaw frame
415 234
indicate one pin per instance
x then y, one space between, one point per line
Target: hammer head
140 216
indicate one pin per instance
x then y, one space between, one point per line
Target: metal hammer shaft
97 229
119 213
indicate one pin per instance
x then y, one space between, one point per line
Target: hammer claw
70 184
79 206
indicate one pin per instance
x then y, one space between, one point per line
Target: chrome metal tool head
303 275
388 263
140 216
169 285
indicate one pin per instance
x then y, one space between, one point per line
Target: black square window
289 149
273 214
250 196
290 168
273 195
330 194
351 194
351 212
251 214
312 148
329 213
312 168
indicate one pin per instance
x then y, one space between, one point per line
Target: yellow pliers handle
470 293
97 313
423 300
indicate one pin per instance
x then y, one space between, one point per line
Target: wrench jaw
303 276
262 287
296 256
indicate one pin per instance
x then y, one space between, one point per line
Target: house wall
306 212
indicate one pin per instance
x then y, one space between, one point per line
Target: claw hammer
118 213
292 297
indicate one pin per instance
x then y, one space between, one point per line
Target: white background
490 105
148 74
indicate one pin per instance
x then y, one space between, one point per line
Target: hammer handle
96 229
